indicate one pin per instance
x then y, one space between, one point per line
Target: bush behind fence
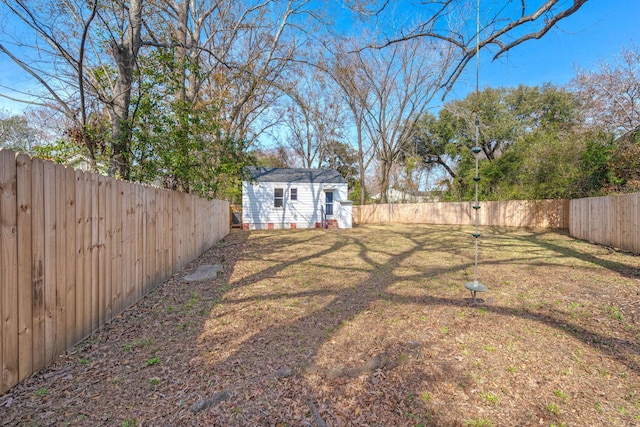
78 248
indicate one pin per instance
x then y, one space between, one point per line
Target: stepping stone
204 272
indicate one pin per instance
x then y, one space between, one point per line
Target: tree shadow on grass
536 238
341 305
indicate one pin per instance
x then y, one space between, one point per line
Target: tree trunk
181 51
361 165
385 165
125 55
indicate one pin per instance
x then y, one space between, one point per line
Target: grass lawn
368 326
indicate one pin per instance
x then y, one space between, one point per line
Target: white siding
258 208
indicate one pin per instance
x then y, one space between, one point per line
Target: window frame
293 194
328 205
277 198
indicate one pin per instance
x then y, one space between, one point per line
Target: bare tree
53 53
346 71
611 94
244 53
79 50
503 25
314 118
402 79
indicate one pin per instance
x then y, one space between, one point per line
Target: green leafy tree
178 143
526 136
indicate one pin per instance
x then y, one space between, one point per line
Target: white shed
294 198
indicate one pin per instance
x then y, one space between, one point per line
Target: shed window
328 203
278 197
294 194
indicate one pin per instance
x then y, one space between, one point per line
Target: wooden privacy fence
612 220
513 213
78 248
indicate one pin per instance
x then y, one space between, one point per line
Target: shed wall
258 209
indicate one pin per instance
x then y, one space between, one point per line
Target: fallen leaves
369 326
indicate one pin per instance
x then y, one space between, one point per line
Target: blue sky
594 34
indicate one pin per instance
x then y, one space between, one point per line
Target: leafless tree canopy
291 68
498 26
611 94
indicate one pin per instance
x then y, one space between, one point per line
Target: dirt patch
369 326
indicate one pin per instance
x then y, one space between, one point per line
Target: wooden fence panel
101 254
93 286
513 213
139 236
60 341
109 203
612 221
50 309
77 248
127 243
80 216
25 297
117 287
634 241
149 240
8 270
88 258
69 255
37 267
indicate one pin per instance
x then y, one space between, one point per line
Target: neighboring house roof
261 174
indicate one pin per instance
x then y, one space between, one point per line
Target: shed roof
262 174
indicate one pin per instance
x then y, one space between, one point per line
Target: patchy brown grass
369 326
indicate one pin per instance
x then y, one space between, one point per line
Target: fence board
8 270
102 255
37 268
635 241
87 255
109 202
80 220
61 265
152 233
167 236
70 272
126 256
50 308
138 241
93 251
117 287
25 297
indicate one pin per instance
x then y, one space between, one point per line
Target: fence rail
611 220
78 248
513 213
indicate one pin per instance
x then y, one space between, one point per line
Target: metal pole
476 286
